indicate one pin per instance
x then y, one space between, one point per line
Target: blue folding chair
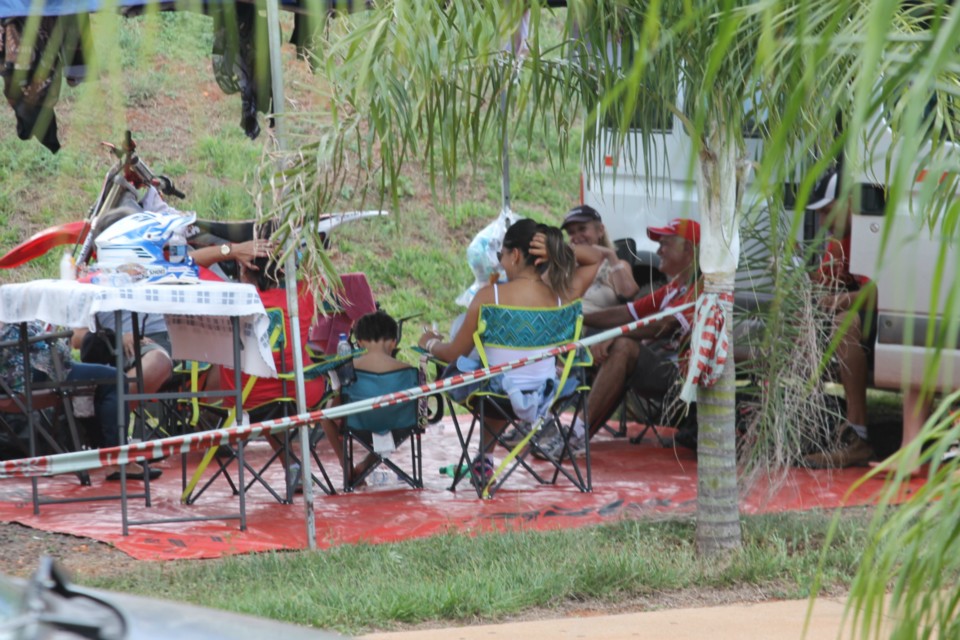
403 421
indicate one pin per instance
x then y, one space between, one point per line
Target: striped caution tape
709 344
91 459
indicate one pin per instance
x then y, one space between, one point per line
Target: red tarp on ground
628 480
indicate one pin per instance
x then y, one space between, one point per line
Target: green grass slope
154 78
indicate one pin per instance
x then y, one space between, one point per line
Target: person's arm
77 338
589 259
621 275
462 343
655 330
243 252
621 315
608 318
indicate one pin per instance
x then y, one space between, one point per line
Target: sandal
481 470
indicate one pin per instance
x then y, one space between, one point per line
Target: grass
465 579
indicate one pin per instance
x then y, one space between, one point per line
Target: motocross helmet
140 245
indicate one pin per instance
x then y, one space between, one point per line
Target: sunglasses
501 253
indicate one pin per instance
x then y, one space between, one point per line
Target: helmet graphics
149 247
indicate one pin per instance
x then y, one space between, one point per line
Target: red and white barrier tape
91 459
709 344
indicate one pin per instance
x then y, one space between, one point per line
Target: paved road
782 620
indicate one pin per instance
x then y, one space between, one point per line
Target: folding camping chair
40 410
44 406
398 422
218 416
529 330
354 299
651 411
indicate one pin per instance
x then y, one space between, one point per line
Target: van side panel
906 305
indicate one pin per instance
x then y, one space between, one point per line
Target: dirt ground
21 547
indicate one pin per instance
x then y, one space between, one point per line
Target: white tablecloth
197 315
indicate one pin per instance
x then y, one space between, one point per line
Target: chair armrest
314 351
311 371
42 337
430 358
584 358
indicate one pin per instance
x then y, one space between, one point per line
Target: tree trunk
718 511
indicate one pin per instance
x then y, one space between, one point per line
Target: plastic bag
482 254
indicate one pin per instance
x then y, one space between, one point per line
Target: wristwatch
225 249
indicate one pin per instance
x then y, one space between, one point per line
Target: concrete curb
780 620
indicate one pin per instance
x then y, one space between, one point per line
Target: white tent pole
290 277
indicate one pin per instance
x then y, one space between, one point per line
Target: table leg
28 400
121 415
238 403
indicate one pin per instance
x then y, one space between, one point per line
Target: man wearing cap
842 289
614 283
648 358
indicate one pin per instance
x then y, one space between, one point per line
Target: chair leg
326 485
349 484
651 416
520 457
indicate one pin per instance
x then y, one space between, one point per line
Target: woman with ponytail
542 271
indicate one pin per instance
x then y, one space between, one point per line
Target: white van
634 187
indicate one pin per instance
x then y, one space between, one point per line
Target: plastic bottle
68 267
379 477
345 371
118 279
177 248
450 470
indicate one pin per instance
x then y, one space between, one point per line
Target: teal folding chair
533 330
404 421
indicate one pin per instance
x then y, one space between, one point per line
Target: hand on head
538 248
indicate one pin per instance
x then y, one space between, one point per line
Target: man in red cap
648 358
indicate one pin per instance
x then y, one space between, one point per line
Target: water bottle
379 477
68 268
177 248
450 470
345 371
118 279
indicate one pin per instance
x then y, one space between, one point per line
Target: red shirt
267 389
672 294
834 269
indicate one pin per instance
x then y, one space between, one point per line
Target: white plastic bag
482 254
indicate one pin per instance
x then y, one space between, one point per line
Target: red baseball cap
683 227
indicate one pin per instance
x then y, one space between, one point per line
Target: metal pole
290 277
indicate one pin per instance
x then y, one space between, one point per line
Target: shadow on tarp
629 481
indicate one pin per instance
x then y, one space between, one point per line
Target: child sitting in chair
376 333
